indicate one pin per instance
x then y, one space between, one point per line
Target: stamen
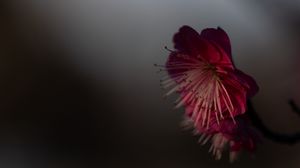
211 99
168 49
205 113
218 100
173 90
156 65
183 100
200 87
165 86
227 100
201 138
206 139
215 103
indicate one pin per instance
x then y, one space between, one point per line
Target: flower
201 70
212 90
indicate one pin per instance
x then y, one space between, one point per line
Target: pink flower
202 71
212 90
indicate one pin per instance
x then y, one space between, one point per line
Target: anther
168 49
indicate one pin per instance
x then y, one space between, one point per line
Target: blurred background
78 87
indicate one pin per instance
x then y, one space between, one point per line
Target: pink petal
252 85
237 90
219 36
215 54
188 41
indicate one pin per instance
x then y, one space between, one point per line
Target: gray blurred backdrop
78 87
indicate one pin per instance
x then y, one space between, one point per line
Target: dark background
78 87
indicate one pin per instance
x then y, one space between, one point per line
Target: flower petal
252 85
218 36
187 41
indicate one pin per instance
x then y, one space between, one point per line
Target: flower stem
294 107
289 139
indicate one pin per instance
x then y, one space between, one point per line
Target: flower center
200 87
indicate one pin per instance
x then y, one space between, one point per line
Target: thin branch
289 139
294 107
